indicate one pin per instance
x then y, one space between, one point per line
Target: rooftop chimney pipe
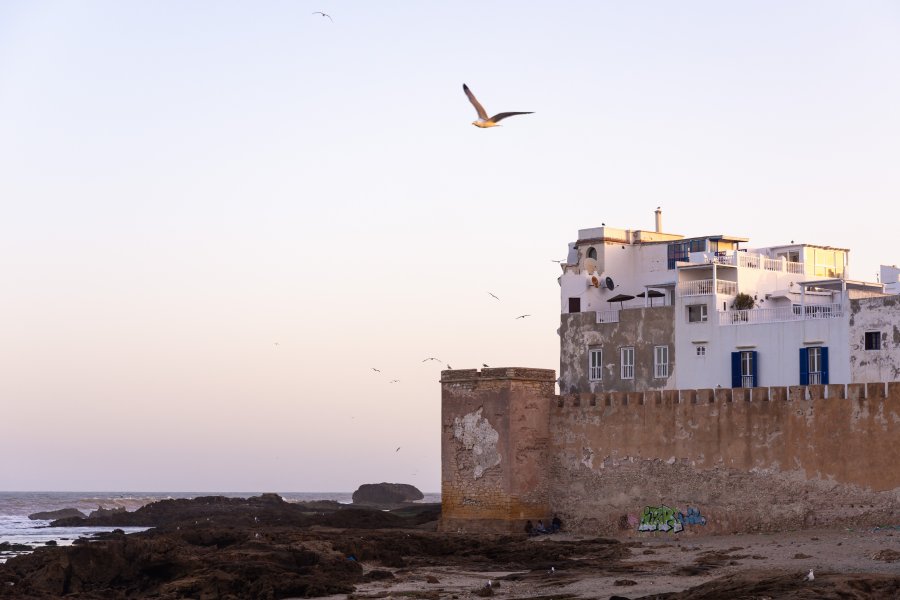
658 220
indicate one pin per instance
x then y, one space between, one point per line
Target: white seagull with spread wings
483 119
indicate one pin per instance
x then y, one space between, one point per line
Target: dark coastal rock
386 493
216 547
52 515
10 547
105 512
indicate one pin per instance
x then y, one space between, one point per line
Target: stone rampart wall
734 459
619 463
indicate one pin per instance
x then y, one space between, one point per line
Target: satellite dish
595 281
609 283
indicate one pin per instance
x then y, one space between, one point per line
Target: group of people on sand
540 528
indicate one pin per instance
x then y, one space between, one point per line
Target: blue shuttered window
745 369
804 366
735 369
814 365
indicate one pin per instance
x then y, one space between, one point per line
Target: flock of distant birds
436 359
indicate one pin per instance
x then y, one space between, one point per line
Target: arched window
592 253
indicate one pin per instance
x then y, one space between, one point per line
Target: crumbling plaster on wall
640 328
478 441
874 314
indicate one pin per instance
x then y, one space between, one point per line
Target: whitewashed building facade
651 310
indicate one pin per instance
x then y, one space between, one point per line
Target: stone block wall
744 460
494 445
630 463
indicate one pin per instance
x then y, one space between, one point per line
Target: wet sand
845 564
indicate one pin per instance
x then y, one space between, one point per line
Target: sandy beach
844 562
267 549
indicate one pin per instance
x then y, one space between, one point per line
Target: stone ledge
513 373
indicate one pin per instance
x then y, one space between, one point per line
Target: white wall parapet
782 314
707 287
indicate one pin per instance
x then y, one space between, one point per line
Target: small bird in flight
492 295
398 449
319 12
485 365
376 370
556 261
483 119
522 316
394 381
449 368
432 358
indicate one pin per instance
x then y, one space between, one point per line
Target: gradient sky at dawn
217 217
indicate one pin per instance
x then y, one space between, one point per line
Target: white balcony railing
608 316
706 287
748 261
779 315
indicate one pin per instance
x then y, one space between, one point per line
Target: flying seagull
376 370
485 365
449 368
319 12
483 119
432 358
394 381
492 295
522 316
398 449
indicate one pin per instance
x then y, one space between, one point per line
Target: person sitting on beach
529 527
539 528
555 524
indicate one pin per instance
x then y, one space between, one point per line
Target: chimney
658 220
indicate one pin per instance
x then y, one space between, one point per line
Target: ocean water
17 528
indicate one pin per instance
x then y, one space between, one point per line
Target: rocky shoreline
265 548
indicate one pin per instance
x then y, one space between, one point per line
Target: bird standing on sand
483 119
319 12
810 576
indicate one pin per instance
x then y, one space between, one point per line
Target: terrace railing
780 315
707 287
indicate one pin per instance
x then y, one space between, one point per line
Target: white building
651 310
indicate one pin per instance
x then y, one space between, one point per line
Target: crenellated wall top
851 391
511 373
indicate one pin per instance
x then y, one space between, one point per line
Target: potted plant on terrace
742 303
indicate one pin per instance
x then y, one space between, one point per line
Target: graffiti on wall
663 518
692 517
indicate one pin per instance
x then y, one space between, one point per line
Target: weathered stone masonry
747 459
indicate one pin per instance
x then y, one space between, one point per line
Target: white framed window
815 365
873 340
701 350
747 379
661 362
696 313
627 362
595 364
